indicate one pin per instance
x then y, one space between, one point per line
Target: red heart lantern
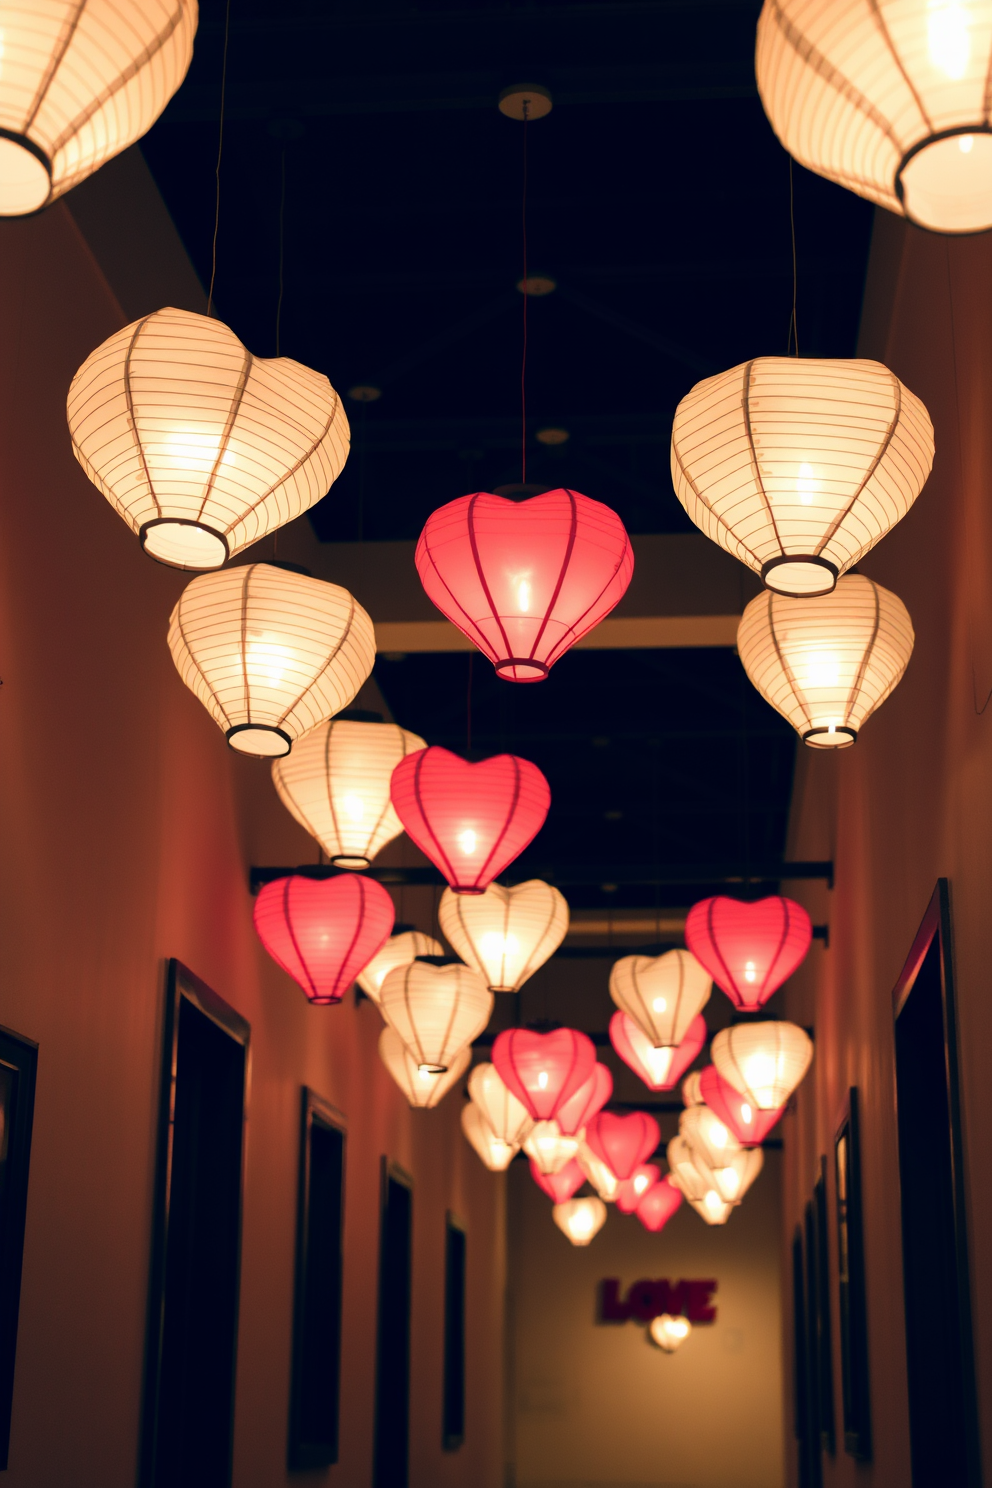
561 1186
632 1190
323 932
658 1205
524 579
581 1107
660 1069
622 1142
543 1070
749 1125
748 949
471 820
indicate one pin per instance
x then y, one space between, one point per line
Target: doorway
392 1389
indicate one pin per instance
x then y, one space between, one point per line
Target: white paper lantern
399 950
799 466
422 1087
580 1219
692 1095
662 994
505 934
706 1134
269 653
436 1010
711 1207
669 1333
600 1175
336 784
764 1061
826 664
683 1168
503 1113
729 1171
550 1148
494 1152
199 446
889 98
80 80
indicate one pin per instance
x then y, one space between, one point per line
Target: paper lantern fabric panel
436 1010
799 466
659 1204
580 1219
336 785
549 1147
269 653
826 664
423 1088
496 1154
600 1174
889 99
662 994
749 949
505 934
471 819
660 1069
708 1135
524 580
633 1189
575 1114
749 1125
543 1070
201 447
764 1061
623 1142
82 80
399 950
502 1111
560 1186
322 932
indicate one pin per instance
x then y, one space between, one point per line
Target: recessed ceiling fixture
580 1219
888 99
269 653
525 102
364 392
79 84
201 447
826 664
749 949
323 932
662 994
536 286
799 467
336 784
505 934
423 1088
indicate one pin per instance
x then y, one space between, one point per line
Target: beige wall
910 802
596 1405
126 831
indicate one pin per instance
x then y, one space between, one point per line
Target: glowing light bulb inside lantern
523 596
191 452
659 1062
822 670
426 1075
542 1080
750 975
965 143
467 841
947 37
495 944
729 1180
759 1072
659 1005
806 484
718 1134
353 807
582 1223
713 1201
641 1182
266 660
747 1115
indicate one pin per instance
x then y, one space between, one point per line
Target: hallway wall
126 830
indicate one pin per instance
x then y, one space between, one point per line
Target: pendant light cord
793 323
282 248
220 151
523 362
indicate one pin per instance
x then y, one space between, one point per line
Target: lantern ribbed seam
288 919
882 451
482 576
345 633
202 674
866 656
68 32
244 640
883 28
449 871
506 823
225 438
293 469
729 988
129 404
755 467
786 668
339 991
570 544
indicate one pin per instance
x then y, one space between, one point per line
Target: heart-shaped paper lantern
423 1088
748 949
581 1107
500 1108
399 950
658 1205
764 1061
560 1186
436 1010
580 1219
661 993
707 1135
323 932
749 1125
623 1142
471 820
632 1190
600 1174
494 1152
524 580
505 934
549 1147
543 1070
660 1069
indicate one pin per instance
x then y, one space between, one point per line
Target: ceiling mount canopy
799 466
201 447
887 98
80 81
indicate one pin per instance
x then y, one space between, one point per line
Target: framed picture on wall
18 1068
855 1394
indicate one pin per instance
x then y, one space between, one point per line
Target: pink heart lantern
658 1205
748 949
543 1070
581 1107
323 932
660 1069
560 1186
747 1123
622 1142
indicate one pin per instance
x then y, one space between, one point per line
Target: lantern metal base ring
354 861
38 154
147 527
521 661
959 131
814 561
260 728
843 733
432 1069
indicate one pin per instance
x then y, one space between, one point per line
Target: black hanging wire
282 250
523 360
793 323
468 707
220 151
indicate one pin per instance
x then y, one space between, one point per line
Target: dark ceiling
659 202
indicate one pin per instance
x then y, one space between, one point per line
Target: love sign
650 1299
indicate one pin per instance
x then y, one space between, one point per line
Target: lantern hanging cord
220 151
282 249
523 362
793 323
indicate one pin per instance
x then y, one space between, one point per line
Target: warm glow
948 42
659 1005
600 1175
662 994
505 934
746 1113
749 971
503 1114
399 950
806 483
542 1080
466 841
523 596
580 1219
640 1182
713 1201
764 1061
423 1087
965 143
669 1332
550 1148
496 1153
436 1010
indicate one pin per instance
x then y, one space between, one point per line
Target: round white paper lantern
399 950
494 1152
669 1333
662 994
706 1134
201 447
503 1113
798 466
80 80
764 1061
336 784
889 98
580 1219
550 1148
269 653
436 1010
422 1087
826 664
505 934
